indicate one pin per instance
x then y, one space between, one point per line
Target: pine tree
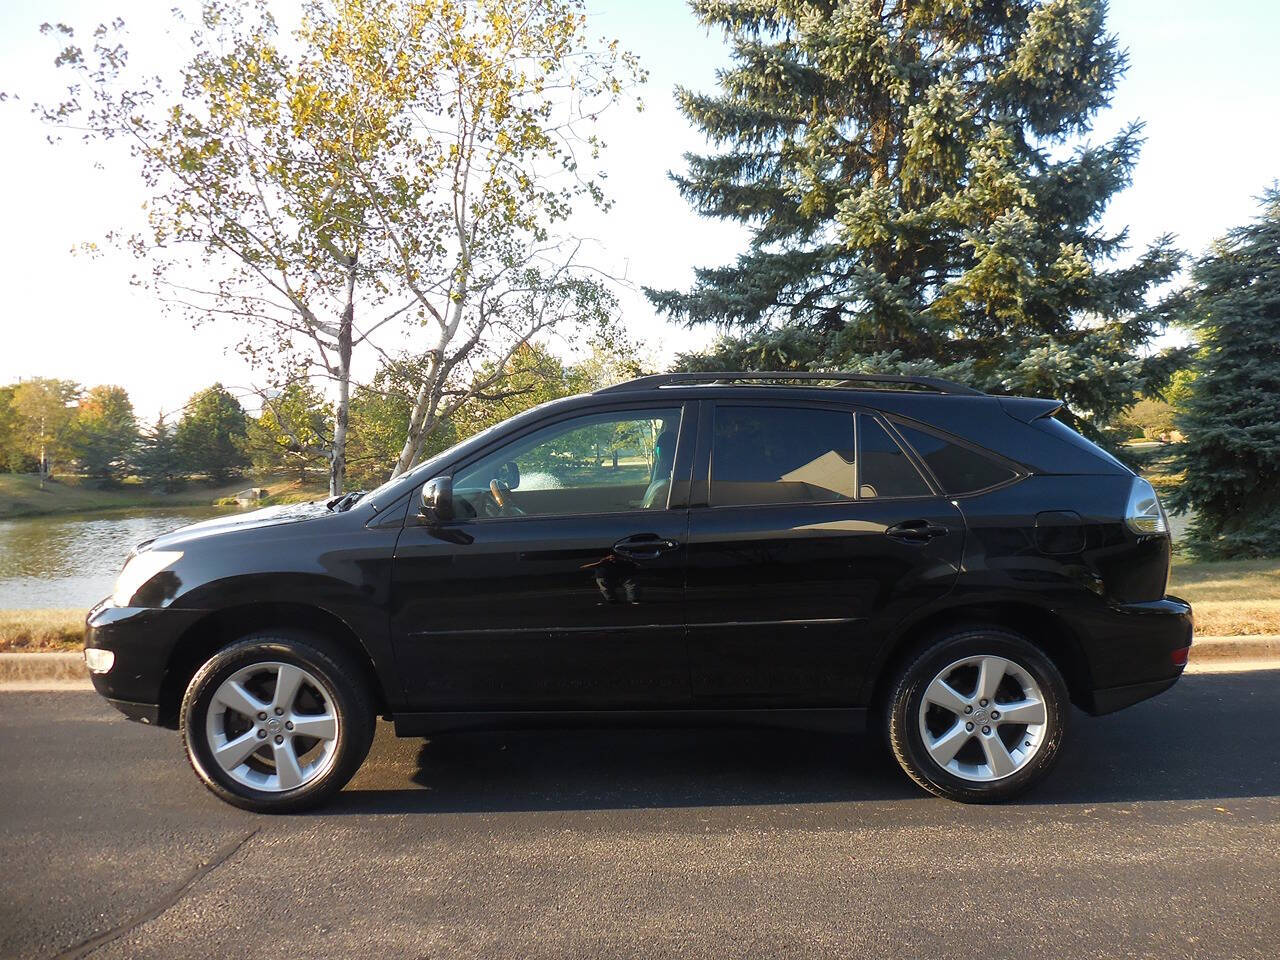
211 435
1232 425
922 197
157 458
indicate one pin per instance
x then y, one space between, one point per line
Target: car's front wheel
277 722
978 716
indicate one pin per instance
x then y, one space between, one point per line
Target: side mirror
509 473
437 500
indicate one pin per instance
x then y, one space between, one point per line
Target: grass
1235 598
1231 598
21 496
37 631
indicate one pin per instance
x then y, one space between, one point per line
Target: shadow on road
1210 737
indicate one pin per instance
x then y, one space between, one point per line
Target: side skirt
833 719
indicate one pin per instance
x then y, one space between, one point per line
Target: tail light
1144 515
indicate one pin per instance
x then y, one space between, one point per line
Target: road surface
1158 835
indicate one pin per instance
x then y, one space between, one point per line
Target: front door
561 583
801 553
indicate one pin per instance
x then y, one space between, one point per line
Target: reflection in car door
547 612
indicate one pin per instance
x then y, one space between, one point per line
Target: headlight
1144 514
138 570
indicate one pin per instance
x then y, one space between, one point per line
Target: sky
1204 77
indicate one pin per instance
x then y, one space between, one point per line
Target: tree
45 411
211 435
379 420
1232 425
292 432
388 163
157 460
14 455
920 197
104 434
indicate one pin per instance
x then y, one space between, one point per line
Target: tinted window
602 463
958 469
883 469
781 455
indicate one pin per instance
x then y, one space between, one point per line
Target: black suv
953 569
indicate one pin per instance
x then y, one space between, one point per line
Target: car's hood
239 522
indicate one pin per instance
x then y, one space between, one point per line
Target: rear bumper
1138 653
143 641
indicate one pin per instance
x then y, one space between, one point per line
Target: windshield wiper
346 501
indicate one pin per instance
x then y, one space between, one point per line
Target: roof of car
805 378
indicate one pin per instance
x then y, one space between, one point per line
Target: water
71 560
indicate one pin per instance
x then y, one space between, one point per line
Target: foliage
379 422
385 163
211 435
104 433
532 376
15 455
1232 424
1151 418
292 433
158 462
921 196
45 412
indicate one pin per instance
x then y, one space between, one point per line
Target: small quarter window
883 469
959 469
762 455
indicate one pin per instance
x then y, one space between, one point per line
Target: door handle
644 546
916 531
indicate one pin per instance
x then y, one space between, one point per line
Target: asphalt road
1158 835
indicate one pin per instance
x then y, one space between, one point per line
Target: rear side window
883 469
765 455
959 469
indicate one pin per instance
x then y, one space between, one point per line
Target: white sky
1204 76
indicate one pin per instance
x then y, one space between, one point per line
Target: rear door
812 531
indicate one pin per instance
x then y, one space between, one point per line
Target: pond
71 560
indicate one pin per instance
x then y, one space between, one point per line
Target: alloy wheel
273 727
983 718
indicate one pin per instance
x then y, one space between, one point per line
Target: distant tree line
50 426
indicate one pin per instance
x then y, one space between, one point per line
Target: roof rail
841 379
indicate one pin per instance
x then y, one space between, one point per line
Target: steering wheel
501 494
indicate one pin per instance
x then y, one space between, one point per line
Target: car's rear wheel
978 716
277 722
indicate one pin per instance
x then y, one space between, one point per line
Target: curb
43 669
39 671
1222 650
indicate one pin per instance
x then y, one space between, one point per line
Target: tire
977 771
231 708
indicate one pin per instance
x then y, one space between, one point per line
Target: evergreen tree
922 197
211 435
1232 424
157 460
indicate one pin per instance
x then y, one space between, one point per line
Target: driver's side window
599 463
